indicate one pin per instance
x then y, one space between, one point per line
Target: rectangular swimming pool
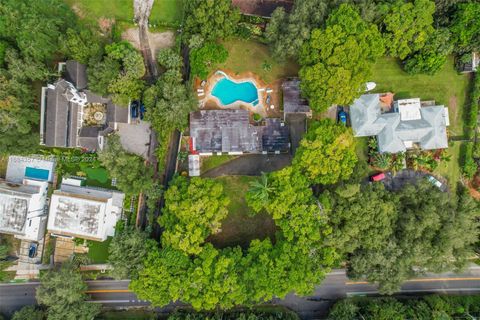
38 174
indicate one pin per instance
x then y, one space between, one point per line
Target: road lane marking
418 280
109 291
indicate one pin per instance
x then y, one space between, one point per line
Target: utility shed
292 100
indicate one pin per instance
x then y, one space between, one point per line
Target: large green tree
29 313
202 59
286 33
84 45
119 73
336 61
431 58
466 27
130 171
326 153
407 27
212 19
127 251
62 291
193 210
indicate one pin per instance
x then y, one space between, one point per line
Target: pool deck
210 102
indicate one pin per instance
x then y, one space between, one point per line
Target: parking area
23 253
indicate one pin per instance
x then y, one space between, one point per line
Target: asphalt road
112 293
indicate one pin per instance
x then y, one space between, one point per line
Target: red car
378 177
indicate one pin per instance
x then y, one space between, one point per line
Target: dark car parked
134 109
32 250
342 116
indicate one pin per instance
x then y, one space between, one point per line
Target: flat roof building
84 212
23 209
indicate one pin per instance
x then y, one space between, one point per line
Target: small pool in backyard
228 91
35 173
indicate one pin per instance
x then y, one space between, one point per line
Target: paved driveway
250 165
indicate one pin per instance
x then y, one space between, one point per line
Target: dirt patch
78 11
157 40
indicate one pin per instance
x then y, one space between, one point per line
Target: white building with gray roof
84 212
407 124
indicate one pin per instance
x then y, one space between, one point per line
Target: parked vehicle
134 109
434 181
32 250
378 177
342 116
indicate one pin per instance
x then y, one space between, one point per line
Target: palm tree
260 190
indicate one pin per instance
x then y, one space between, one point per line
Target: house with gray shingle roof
73 116
407 124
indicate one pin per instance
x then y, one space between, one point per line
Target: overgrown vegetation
472 147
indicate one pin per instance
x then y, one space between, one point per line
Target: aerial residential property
82 212
400 125
72 116
239 159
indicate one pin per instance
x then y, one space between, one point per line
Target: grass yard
447 87
249 55
241 226
211 162
98 251
3 166
451 169
167 12
94 9
97 177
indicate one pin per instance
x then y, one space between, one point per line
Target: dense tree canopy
326 153
431 58
119 73
194 209
29 313
84 45
212 19
407 27
62 291
127 251
130 171
430 233
286 33
35 27
466 27
336 62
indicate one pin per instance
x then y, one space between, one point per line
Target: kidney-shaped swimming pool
228 91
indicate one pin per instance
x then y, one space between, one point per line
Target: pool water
228 91
38 174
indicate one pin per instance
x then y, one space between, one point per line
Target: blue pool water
228 91
38 174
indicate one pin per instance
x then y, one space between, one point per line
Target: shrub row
472 149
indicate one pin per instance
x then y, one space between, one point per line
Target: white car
434 181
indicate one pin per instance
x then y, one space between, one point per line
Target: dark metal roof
231 131
292 100
76 74
262 8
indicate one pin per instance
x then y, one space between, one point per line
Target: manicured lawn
249 55
97 177
211 162
167 12
241 226
451 169
447 87
98 251
118 9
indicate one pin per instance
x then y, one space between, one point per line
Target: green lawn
447 87
98 251
451 169
167 12
97 177
241 226
249 55
211 162
119 9
3 166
